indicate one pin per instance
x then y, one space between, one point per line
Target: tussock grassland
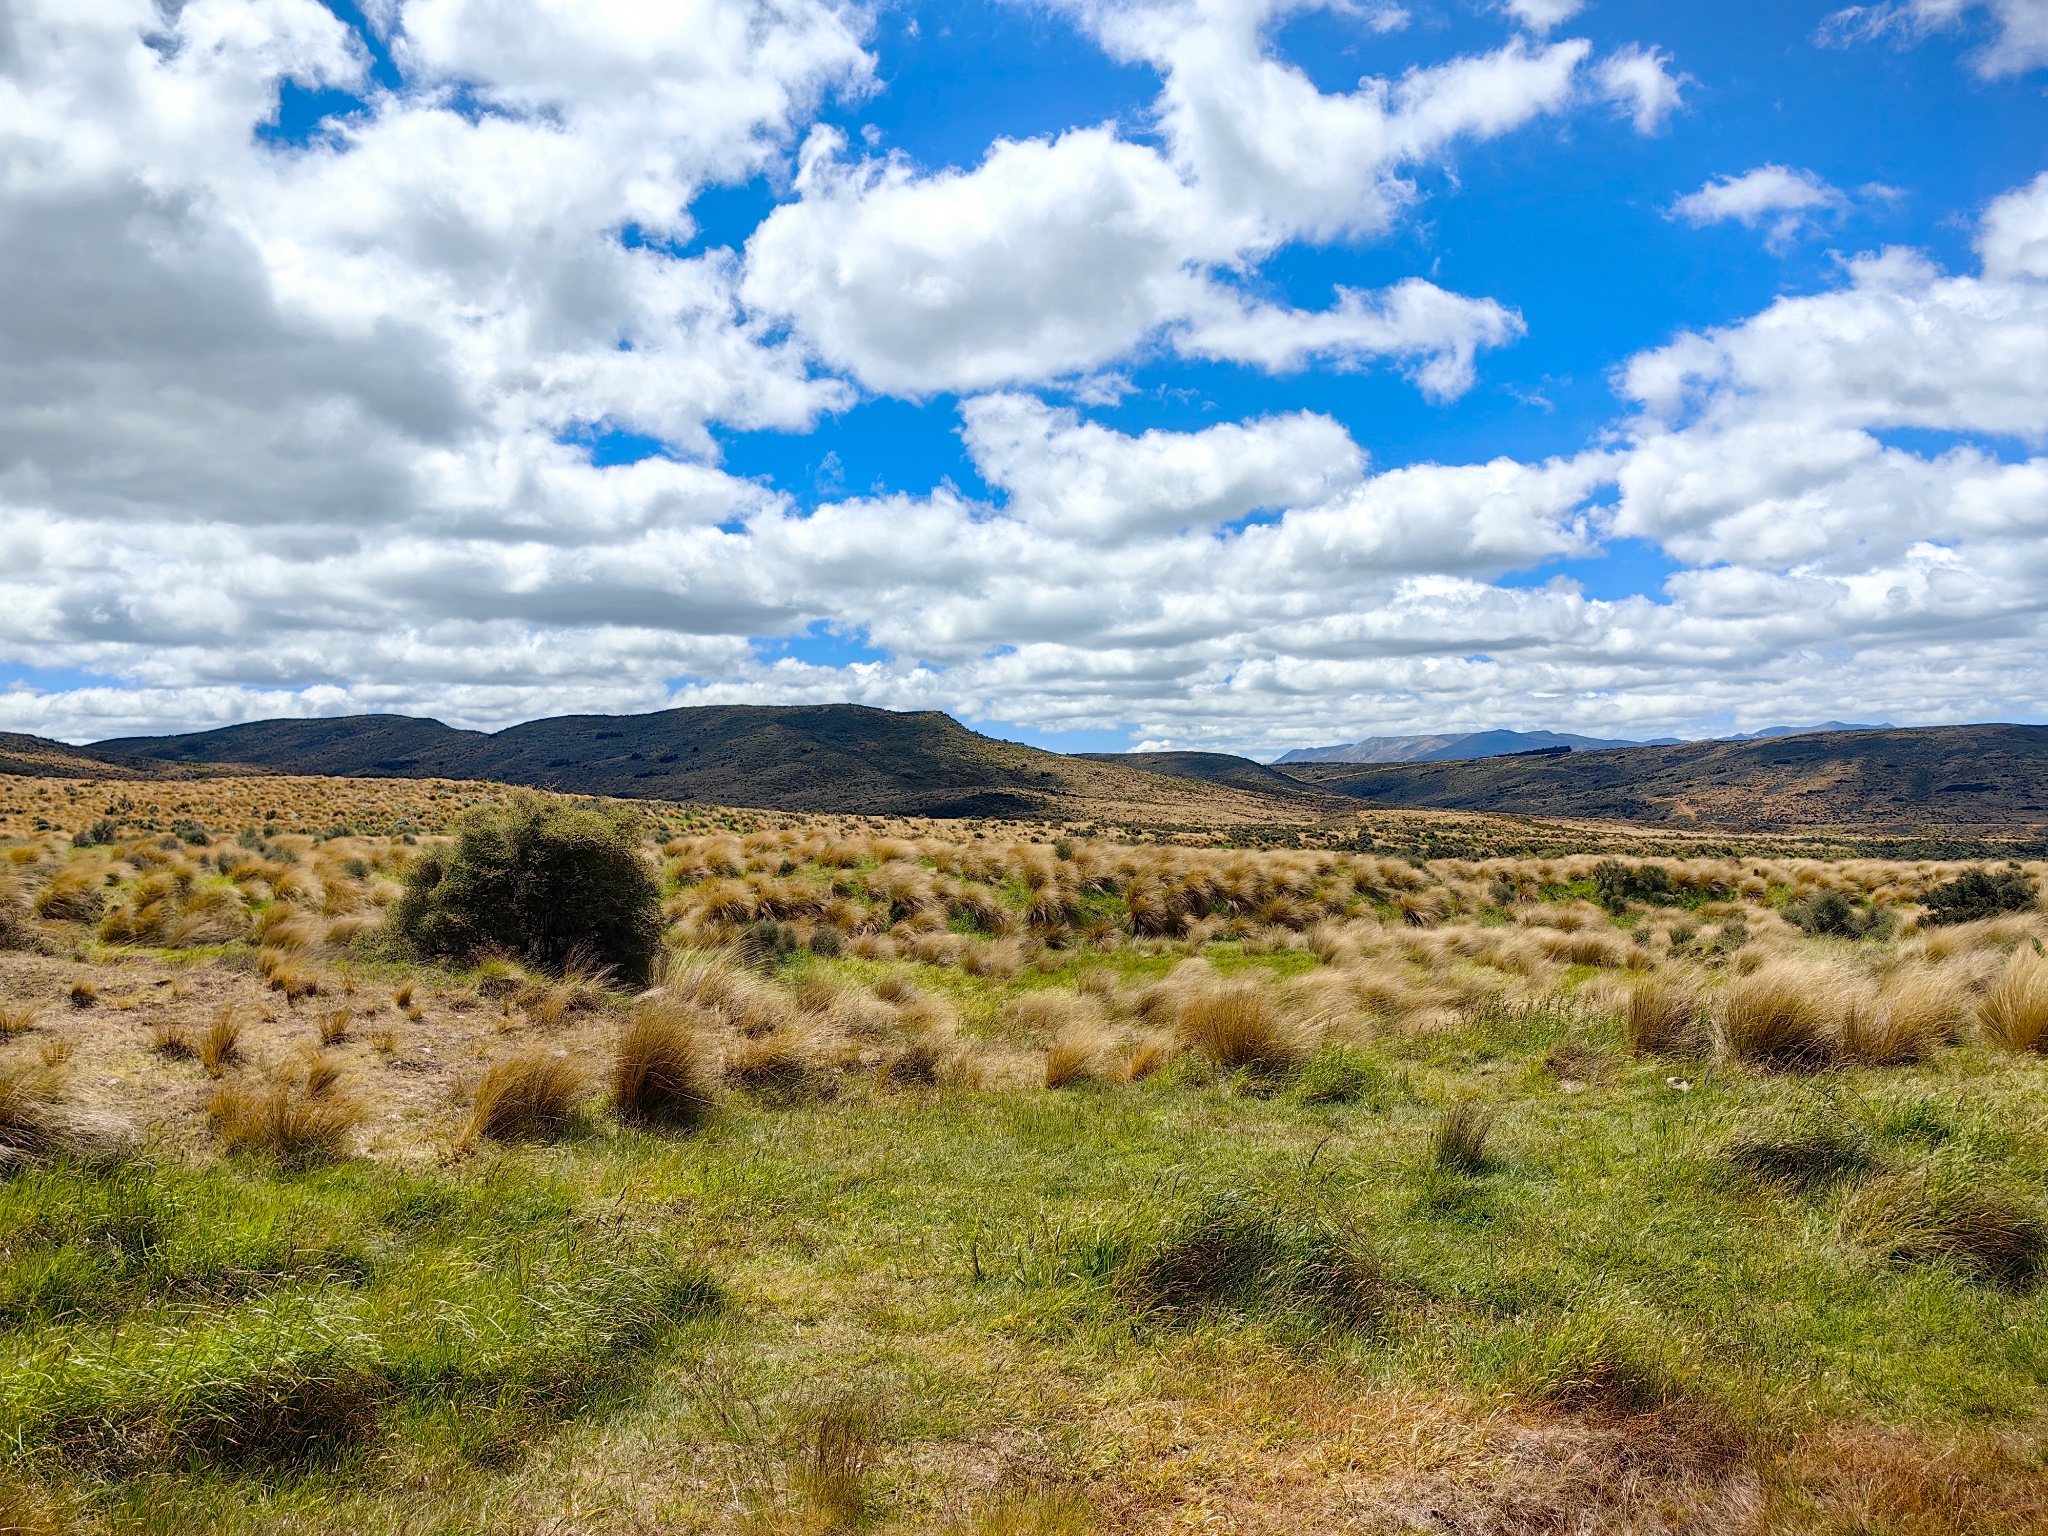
982 1184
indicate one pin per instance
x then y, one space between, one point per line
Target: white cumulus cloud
295 428
2020 28
1785 199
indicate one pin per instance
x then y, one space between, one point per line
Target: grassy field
966 1185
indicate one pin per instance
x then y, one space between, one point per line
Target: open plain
1002 1180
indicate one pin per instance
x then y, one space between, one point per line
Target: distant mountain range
849 760
1952 775
841 758
1476 744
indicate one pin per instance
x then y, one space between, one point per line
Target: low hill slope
1441 749
1210 768
37 758
838 758
1965 775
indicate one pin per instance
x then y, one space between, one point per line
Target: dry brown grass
2014 1012
28 1100
661 1068
1239 1025
831 1472
1079 1053
221 1045
778 1067
169 1037
297 1118
1664 1014
334 1026
532 1094
1148 1056
1783 1015
17 1019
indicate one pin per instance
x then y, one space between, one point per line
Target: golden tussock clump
221 1045
1079 1053
298 1118
1239 1025
16 1019
28 1122
533 1093
2014 1012
661 1071
778 1067
1663 1014
1782 1015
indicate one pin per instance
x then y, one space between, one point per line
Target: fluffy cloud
2020 40
1785 198
1542 15
289 428
1639 80
1054 257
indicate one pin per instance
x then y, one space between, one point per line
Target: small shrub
1618 883
1459 1143
1979 893
532 1094
536 878
660 1074
1929 1216
1342 1074
1828 914
2014 1012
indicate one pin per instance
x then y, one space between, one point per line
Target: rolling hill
850 760
841 758
1962 775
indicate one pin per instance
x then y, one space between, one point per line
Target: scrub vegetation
969 1184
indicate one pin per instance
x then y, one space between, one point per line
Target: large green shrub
1980 893
548 881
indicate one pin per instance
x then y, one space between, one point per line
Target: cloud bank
297 427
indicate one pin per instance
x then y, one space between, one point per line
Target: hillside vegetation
957 1184
1960 783
1954 776
836 758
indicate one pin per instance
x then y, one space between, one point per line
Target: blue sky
1212 374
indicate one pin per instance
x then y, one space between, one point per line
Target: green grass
222 1346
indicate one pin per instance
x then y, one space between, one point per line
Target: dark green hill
1957 775
352 747
1212 768
831 757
